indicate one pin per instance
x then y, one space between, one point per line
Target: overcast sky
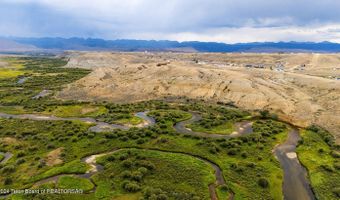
228 21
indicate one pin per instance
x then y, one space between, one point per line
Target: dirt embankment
296 97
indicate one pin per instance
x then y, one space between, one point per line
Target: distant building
259 66
279 68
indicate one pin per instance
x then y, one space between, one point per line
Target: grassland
218 121
223 129
81 110
323 164
152 163
67 182
157 174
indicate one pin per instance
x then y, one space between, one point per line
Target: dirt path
295 183
243 128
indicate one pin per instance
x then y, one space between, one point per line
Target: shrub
8 169
124 138
111 158
50 146
251 164
123 157
20 154
131 186
336 191
264 114
244 154
327 168
8 181
127 163
337 165
126 174
111 135
140 141
224 187
137 176
262 182
335 154
33 148
91 135
232 152
146 164
143 170
20 161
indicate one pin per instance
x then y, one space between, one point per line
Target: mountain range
15 44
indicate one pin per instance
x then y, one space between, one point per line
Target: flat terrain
300 88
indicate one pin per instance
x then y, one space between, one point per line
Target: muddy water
43 93
22 80
295 183
7 155
242 128
99 127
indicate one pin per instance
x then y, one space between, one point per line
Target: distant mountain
165 45
12 46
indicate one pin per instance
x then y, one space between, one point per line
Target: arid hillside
300 88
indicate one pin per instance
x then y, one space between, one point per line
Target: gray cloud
209 20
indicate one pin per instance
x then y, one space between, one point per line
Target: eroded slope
298 98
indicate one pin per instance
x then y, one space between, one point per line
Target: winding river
95 168
242 128
295 184
99 126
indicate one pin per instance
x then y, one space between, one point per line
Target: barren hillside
294 95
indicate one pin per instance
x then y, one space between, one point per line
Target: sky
228 21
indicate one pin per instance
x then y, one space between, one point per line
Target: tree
264 114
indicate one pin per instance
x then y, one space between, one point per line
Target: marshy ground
182 149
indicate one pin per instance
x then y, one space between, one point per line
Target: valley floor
151 149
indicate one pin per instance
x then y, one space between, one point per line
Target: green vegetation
157 174
219 120
2 157
74 167
223 129
7 73
82 110
70 182
44 74
322 162
167 118
133 120
155 162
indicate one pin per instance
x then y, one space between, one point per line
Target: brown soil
53 157
9 140
301 97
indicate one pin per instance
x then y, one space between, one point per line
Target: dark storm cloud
220 20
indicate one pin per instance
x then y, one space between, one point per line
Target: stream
95 168
7 156
99 127
295 183
242 128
